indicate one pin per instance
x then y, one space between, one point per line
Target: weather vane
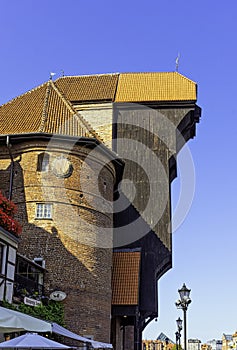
51 75
177 63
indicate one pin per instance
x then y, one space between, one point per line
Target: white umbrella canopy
15 321
32 341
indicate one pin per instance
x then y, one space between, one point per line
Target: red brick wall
74 244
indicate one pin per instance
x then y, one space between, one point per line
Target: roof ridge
24 94
118 73
77 114
165 72
90 75
45 107
86 75
116 88
184 76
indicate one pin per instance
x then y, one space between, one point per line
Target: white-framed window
44 211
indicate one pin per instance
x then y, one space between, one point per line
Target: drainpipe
137 332
11 169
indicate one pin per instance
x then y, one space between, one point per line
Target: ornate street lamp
179 324
183 303
177 337
178 333
184 293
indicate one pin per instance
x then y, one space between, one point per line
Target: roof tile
148 87
100 87
125 278
23 114
43 109
49 107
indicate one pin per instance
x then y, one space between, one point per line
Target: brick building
161 343
157 345
227 341
65 146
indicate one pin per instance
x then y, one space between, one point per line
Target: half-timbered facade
8 251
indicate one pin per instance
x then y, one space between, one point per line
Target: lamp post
178 333
177 337
183 303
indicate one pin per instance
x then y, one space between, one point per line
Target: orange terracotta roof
148 87
100 87
43 109
23 114
49 107
125 278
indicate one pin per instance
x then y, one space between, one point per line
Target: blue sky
89 36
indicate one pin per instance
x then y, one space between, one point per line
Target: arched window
43 162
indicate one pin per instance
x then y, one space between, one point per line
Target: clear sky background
90 36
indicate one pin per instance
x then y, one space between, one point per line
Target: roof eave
74 140
162 104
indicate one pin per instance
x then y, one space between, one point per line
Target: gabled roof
227 337
128 87
49 108
43 110
125 277
163 337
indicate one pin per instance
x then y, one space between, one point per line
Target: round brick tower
64 193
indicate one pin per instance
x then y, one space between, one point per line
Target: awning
56 328
14 321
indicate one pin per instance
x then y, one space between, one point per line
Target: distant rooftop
164 338
227 336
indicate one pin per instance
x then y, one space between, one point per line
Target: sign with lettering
31 302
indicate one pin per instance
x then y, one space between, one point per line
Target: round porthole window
62 167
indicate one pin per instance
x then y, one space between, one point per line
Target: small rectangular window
40 262
43 162
1 258
3 250
44 211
